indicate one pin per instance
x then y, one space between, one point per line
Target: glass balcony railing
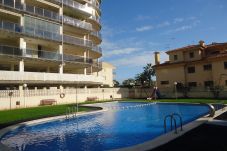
10 26
11 51
13 27
42 34
97 49
77 41
95 19
46 55
42 12
75 5
96 34
77 23
46 13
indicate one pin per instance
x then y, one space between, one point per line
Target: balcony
97 49
13 27
75 5
77 41
47 14
39 77
96 34
45 55
77 23
41 12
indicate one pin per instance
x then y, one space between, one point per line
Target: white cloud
184 27
139 59
121 51
178 20
142 17
144 28
164 24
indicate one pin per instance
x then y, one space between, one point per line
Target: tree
116 83
148 73
129 82
141 79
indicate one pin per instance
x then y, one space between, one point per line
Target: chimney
157 58
202 43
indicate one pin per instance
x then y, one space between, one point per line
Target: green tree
128 83
141 79
149 72
116 83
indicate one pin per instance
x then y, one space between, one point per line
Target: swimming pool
123 125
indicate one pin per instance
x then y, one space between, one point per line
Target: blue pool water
112 129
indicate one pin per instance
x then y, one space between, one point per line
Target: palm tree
149 72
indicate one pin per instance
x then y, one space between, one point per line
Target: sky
133 30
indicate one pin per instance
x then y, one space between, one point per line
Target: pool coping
158 141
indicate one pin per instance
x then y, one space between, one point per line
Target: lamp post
76 99
102 93
155 91
25 87
175 87
10 97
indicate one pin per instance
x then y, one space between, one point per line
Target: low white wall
32 98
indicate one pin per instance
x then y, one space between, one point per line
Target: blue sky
134 29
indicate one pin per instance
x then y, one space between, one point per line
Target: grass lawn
10 117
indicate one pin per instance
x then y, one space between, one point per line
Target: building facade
108 73
50 43
200 67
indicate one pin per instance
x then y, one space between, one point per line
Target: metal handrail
179 116
172 118
70 111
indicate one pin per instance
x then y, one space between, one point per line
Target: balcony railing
47 13
13 27
96 34
74 5
77 41
9 26
46 55
77 23
97 19
42 12
97 49
48 77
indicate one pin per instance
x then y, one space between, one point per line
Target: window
164 82
225 65
208 83
192 84
207 67
175 57
191 69
191 54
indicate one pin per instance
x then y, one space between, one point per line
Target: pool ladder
173 119
70 112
